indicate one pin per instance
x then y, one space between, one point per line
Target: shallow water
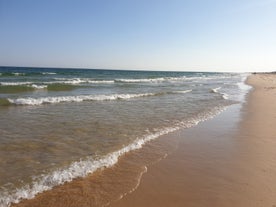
74 122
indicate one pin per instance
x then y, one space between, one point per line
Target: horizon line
135 70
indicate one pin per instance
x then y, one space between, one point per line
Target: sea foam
217 90
15 83
48 73
59 99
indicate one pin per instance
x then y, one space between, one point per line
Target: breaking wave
51 100
217 90
48 73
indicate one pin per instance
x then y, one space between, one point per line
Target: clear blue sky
201 35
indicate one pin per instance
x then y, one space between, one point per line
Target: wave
169 79
151 80
4 102
81 80
48 73
15 88
139 80
80 98
51 86
100 81
215 90
15 83
186 91
89 165
60 87
69 81
18 74
59 99
224 95
39 86
12 74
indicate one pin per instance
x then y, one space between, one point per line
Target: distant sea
60 124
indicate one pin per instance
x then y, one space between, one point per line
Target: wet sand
227 161
220 162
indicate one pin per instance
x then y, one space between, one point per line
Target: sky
172 35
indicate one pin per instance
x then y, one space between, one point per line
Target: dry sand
232 166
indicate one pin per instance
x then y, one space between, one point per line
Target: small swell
12 74
146 80
15 88
4 102
15 83
60 87
215 90
186 91
223 95
39 86
48 73
59 99
151 80
169 79
81 80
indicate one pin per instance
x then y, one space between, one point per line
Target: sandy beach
138 103
226 161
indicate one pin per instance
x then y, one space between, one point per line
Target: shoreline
143 172
188 174
222 169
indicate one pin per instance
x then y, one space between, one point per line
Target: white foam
100 81
244 88
140 80
84 167
80 80
215 90
151 80
45 100
72 81
242 85
31 84
186 91
39 86
15 83
18 74
224 95
48 73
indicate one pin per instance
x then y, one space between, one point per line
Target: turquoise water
59 124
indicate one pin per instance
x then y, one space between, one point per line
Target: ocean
60 124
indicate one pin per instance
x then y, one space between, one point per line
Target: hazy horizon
131 69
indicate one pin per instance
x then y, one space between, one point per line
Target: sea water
60 124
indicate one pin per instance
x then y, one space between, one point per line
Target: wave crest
51 100
224 95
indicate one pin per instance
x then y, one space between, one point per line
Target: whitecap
45 100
